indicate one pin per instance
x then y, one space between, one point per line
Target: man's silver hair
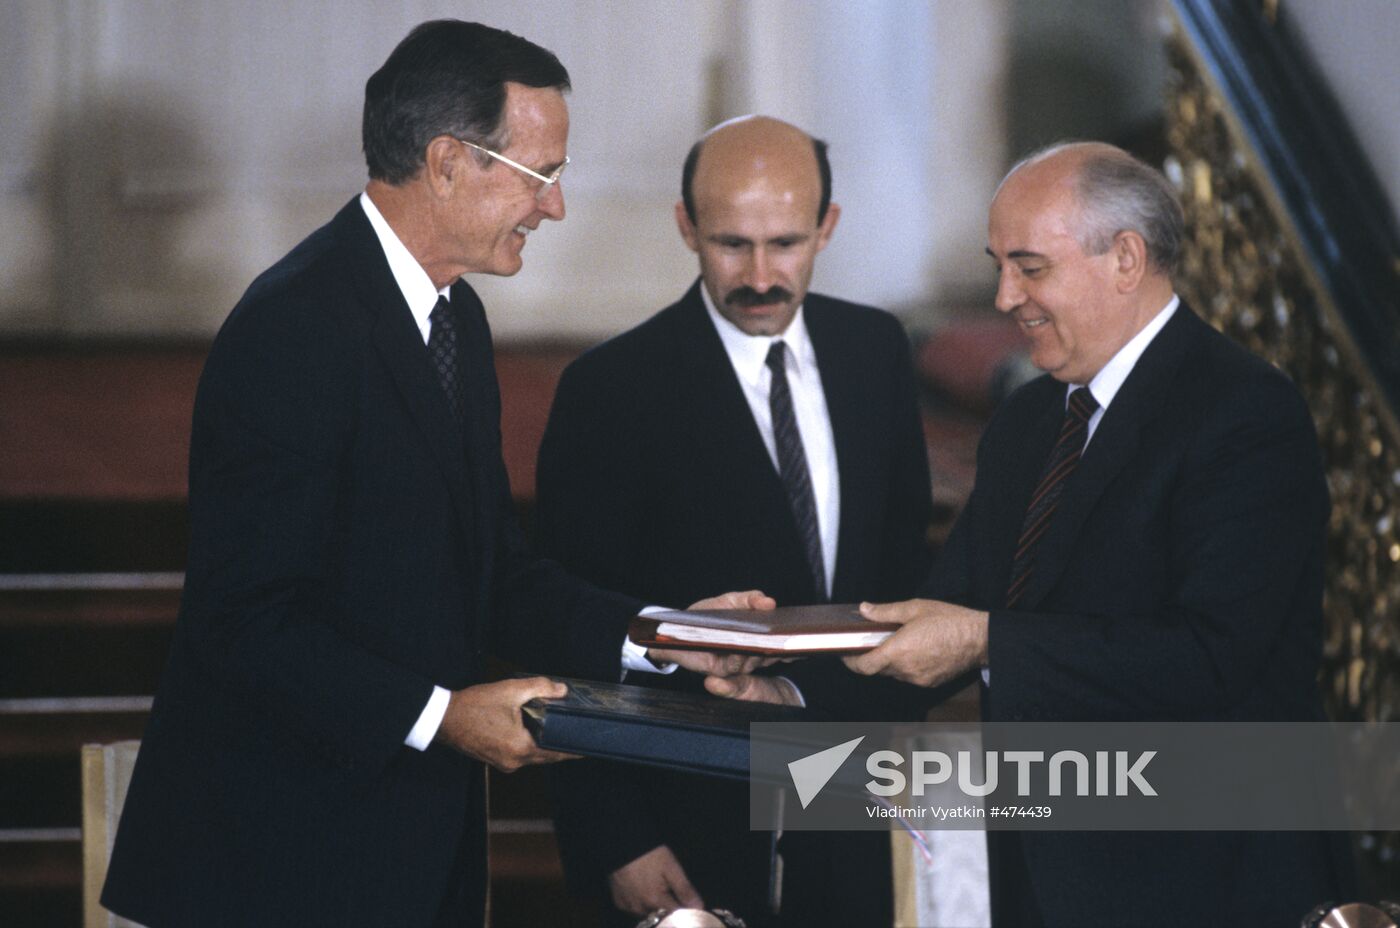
1119 193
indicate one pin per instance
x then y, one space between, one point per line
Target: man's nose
552 203
1009 292
760 276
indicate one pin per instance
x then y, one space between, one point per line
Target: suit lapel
719 400
721 410
1113 446
399 344
843 387
1034 440
483 409
1114 443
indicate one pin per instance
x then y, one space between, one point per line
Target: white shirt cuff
425 729
634 656
796 691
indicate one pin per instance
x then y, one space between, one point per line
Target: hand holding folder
718 662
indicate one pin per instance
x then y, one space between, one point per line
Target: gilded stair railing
1292 252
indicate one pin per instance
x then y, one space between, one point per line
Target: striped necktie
1064 457
792 466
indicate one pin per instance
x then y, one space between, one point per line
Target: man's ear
444 162
828 225
692 237
1130 260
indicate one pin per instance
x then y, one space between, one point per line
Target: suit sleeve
589 512
589 516
1246 516
544 617
909 505
273 421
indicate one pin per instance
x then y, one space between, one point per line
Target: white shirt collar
414 282
749 353
1110 379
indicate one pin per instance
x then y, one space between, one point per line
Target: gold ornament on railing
1245 270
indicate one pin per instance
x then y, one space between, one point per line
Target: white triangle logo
811 773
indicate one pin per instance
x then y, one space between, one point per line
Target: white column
910 96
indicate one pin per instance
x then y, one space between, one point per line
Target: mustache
748 296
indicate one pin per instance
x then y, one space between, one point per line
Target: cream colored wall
156 154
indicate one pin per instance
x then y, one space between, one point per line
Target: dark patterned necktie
442 348
1064 457
792 465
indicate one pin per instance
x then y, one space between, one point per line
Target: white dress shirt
421 296
748 354
1106 383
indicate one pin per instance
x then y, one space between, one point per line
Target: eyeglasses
546 180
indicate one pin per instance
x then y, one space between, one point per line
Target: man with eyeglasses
314 755
668 466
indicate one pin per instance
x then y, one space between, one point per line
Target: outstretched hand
937 642
720 663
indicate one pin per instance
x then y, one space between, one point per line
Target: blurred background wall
155 154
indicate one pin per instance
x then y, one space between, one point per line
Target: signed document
787 630
695 732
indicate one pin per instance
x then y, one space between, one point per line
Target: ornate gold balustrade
1247 270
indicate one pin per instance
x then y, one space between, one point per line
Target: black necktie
442 348
1064 457
792 466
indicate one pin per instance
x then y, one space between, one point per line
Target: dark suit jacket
653 479
1180 579
351 546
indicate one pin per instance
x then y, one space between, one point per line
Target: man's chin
1059 370
1049 360
507 267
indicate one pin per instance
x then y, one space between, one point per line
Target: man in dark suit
1143 542
314 753
663 471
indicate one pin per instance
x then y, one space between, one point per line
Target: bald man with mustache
753 433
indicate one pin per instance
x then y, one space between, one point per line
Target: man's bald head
752 143
756 210
1114 193
1084 237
